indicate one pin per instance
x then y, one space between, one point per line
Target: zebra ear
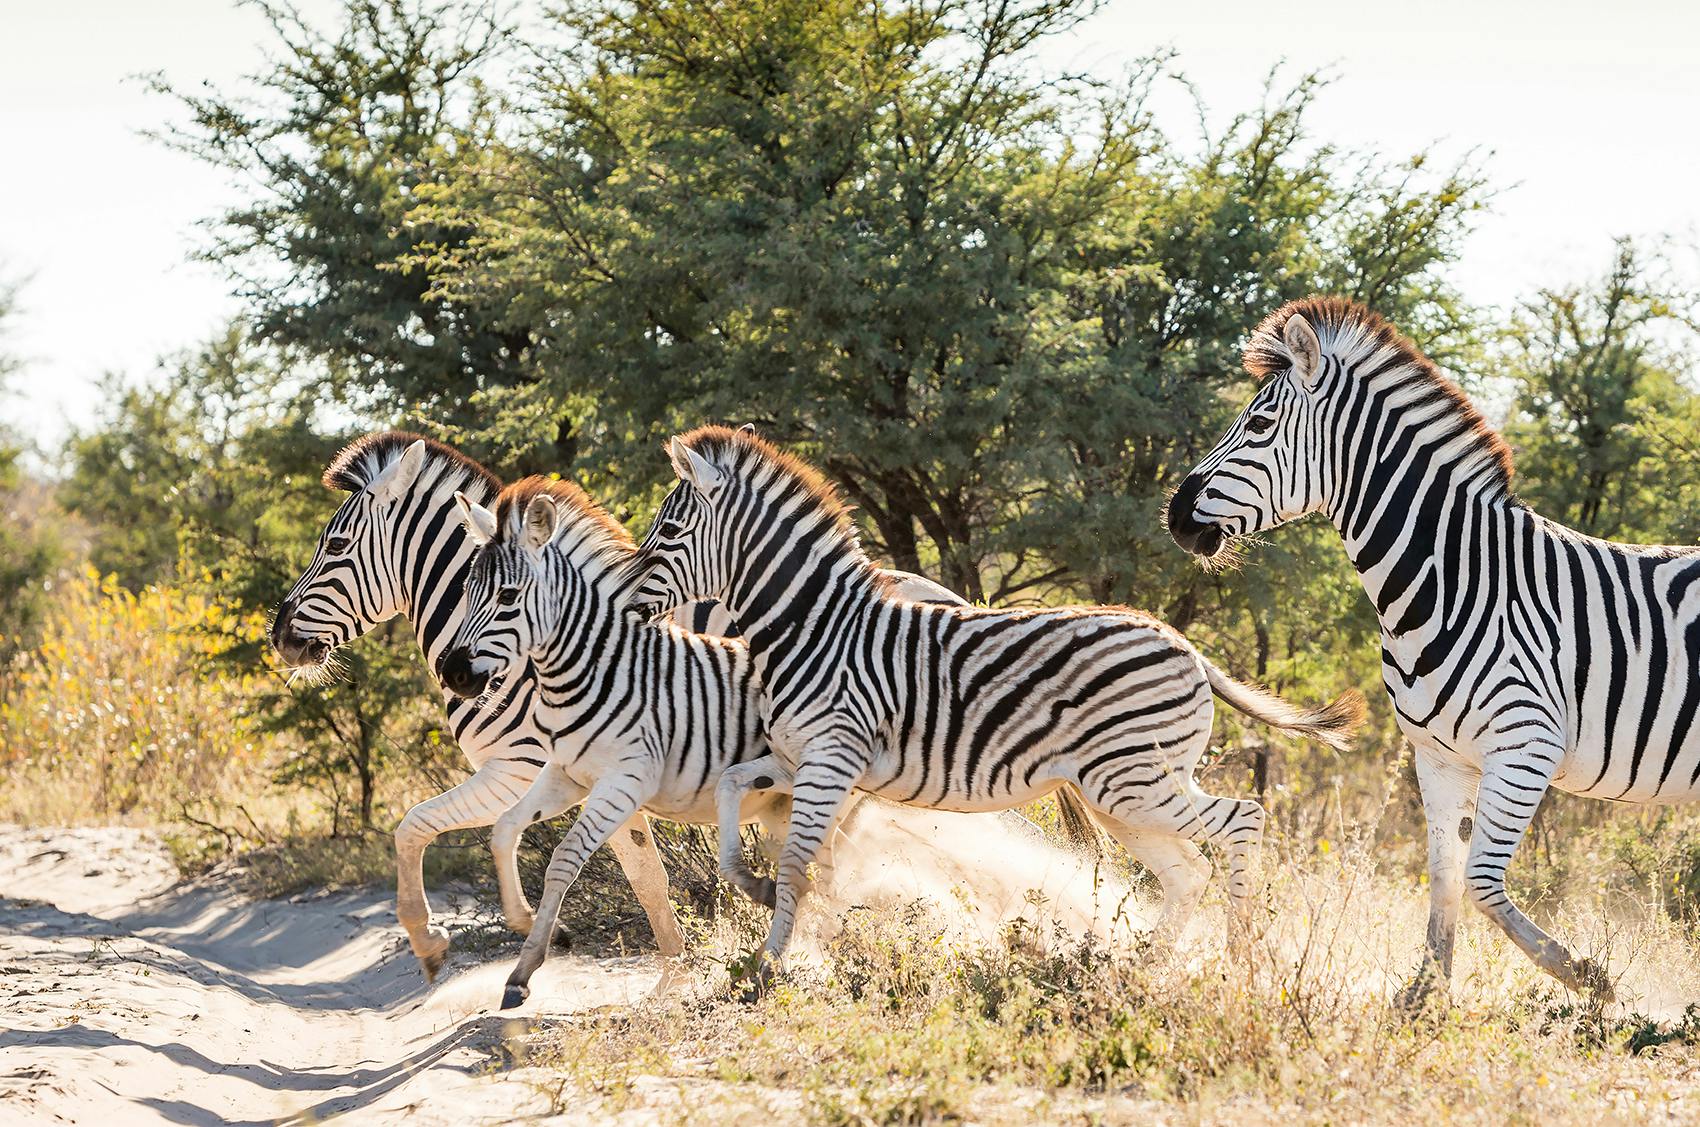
393 482
694 468
540 518
749 429
1306 350
480 522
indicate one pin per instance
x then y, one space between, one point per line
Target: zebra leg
610 804
634 847
550 796
1180 868
478 801
1234 825
819 791
1506 804
828 860
775 820
762 774
1449 805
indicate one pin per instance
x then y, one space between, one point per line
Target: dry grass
908 1011
898 1016
114 716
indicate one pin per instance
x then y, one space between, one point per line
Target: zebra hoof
433 953
766 892
515 995
1592 978
762 980
432 965
1418 994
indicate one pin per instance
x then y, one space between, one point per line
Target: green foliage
1604 424
342 134
214 474
29 549
999 309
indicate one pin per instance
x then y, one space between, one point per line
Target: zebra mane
1364 341
584 530
361 461
781 475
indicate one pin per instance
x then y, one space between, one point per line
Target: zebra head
350 585
1270 466
549 569
679 561
503 599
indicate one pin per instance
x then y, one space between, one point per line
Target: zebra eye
507 596
670 528
336 545
1257 424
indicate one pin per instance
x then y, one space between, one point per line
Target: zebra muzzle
1201 538
454 670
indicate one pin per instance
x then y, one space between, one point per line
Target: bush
114 712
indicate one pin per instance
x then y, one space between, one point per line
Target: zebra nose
1201 538
295 649
280 624
454 670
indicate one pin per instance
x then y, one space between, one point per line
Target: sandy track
127 998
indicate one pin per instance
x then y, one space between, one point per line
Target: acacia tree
998 309
838 219
1601 418
340 136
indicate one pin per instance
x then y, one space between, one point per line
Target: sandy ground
127 996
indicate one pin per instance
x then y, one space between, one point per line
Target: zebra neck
1421 530
594 648
429 558
812 580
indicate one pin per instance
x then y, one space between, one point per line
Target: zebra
641 715
1519 654
949 707
396 547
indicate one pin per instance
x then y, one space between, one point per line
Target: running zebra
395 547
643 716
1518 653
955 708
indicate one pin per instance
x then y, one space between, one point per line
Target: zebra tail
1078 826
1334 723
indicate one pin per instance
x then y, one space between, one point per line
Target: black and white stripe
396 547
641 715
1519 654
949 707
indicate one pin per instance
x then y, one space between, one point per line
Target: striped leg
1449 803
478 801
820 789
736 782
550 796
610 804
1235 826
1179 867
1510 793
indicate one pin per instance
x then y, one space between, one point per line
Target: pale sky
1591 115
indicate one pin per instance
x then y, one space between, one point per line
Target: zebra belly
913 787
